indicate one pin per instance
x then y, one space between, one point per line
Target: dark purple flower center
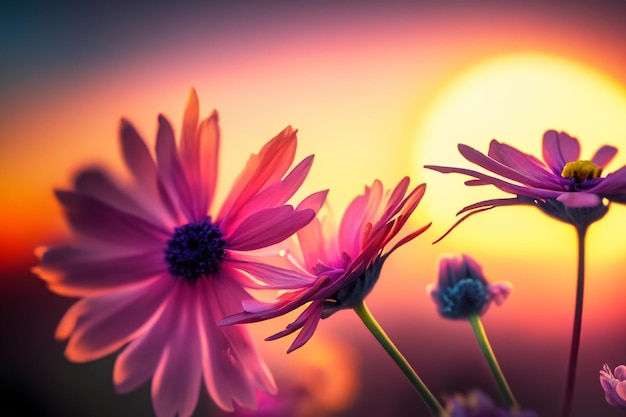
465 298
195 250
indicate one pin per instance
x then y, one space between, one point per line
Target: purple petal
137 362
229 378
531 167
558 149
176 382
499 292
268 227
105 323
171 171
614 183
143 168
271 276
101 221
530 175
604 156
81 274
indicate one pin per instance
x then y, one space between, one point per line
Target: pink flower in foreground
155 271
342 268
563 186
614 385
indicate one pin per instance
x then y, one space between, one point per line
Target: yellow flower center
581 170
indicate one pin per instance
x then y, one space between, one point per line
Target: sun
515 98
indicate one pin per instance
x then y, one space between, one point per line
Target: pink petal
531 167
497 167
579 199
105 323
620 372
268 166
268 227
209 138
99 220
311 242
604 156
276 193
499 292
558 149
313 314
176 382
81 274
271 276
137 362
171 170
230 378
143 168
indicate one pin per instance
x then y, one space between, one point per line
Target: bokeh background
377 90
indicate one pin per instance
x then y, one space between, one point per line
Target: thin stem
372 325
485 346
578 318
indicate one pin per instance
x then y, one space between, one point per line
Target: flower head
156 269
562 185
614 385
340 270
462 290
478 404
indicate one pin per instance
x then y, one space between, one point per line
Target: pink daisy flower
614 385
156 272
341 269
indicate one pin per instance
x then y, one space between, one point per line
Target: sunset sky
376 91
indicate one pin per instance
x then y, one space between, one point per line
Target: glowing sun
514 99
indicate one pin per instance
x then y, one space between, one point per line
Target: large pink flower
155 271
341 269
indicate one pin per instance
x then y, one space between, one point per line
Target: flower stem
485 346
372 325
578 318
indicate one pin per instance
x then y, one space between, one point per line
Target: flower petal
138 361
171 170
105 323
272 276
78 273
531 167
604 156
268 227
176 382
558 149
103 222
579 199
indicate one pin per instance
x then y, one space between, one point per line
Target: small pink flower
614 385
343 268
155 271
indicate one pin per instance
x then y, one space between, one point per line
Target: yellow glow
514 99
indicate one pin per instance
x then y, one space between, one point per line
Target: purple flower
155 271
478 404
614 385
341 269
561 185
462 290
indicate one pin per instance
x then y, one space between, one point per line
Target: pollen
581 170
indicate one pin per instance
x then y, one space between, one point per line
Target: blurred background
376 90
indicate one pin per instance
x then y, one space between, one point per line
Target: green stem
372 325
578 318
485 346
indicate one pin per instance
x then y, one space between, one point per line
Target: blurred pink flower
478 404
462 290
342 268
563 186
155 271
614 385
